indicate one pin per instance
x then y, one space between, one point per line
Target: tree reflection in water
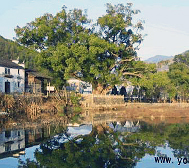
101 148
105 147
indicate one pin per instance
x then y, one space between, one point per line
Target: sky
166 21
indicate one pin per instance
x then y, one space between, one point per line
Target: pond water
98 141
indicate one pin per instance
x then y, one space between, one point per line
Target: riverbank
155 110
148 112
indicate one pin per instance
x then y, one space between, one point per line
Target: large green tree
71 47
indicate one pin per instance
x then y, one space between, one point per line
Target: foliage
179 74
12 51
48 30
182 58
70 49
75 99
101 148
77 109
28 164
178 139
156 83
145 69
173 84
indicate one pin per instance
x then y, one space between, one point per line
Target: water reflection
101 140
101 148
14 141
108 145
126 126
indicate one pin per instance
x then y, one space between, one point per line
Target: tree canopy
179 74
70 46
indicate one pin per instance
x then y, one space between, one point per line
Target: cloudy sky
166 21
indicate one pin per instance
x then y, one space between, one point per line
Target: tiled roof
9 64
37 74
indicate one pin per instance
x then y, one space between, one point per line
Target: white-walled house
79 86
12 77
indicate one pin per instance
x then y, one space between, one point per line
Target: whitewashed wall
80 86
13 81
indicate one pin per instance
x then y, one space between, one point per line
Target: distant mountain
12 51
158 58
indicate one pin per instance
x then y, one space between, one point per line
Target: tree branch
127 60
133 74
75 76
116 55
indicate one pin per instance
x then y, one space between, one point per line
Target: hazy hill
11 50
185 53
158 58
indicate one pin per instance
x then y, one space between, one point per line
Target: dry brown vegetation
31 107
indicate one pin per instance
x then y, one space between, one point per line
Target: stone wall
182 105
94 100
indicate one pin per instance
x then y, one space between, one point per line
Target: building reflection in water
117 120
12 140
16 140
126 126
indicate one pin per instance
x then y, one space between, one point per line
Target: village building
34 81
12 77
79 86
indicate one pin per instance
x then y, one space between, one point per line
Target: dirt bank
157 110
151 113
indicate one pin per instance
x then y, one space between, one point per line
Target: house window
18 84
18 146
7 134
7 71
7 147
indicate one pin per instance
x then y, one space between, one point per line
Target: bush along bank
35 108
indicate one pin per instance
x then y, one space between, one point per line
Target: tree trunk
100 89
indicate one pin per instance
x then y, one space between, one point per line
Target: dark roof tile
37 74
9 64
